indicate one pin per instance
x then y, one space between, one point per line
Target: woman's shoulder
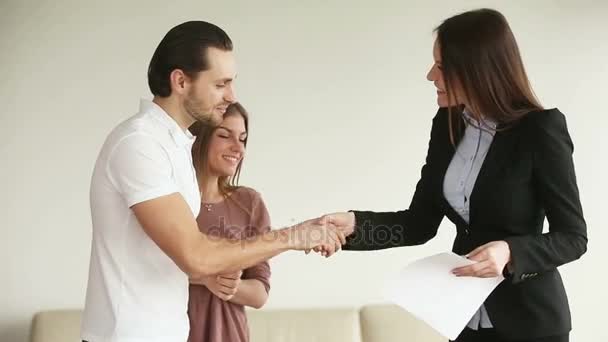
547 131
544 117
251 201
247 194
545 120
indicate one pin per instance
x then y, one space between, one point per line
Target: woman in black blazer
497 165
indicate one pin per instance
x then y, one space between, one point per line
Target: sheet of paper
428 290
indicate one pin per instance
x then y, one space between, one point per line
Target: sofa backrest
372 323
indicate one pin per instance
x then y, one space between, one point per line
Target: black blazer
527 174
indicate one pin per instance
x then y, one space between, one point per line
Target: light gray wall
341 114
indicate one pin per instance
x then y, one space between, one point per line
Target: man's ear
178 81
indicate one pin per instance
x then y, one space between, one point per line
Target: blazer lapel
450 213
496 157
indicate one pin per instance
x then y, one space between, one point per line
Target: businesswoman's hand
491 259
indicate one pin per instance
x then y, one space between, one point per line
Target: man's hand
224 286
316 233
491 259
343 222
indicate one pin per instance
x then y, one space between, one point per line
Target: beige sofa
373 323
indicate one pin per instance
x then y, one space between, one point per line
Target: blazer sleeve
555 182
413 226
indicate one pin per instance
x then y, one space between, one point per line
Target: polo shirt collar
181 137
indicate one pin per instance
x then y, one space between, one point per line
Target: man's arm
169 222
140 169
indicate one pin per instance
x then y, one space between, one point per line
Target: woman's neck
210 190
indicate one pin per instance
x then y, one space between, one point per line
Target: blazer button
467 231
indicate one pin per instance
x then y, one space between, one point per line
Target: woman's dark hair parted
481 58
184 47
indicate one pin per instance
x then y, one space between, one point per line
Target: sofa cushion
390 323
56 326
304 325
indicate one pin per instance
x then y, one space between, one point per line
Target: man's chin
209 119
217 117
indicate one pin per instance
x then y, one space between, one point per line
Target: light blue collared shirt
460 178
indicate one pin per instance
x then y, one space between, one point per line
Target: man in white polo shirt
145 198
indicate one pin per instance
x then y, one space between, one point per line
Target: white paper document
428 290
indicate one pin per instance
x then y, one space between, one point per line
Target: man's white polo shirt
135 292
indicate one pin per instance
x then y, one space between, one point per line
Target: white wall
341 118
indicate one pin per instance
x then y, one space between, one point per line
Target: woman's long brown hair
200 150
480 57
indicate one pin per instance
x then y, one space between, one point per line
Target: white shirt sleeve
140 169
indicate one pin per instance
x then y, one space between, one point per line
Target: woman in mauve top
217 303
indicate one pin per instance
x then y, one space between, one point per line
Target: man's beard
195 109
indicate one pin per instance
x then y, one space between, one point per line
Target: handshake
324 235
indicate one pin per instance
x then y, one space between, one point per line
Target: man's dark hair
184 47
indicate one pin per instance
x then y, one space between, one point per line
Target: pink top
211 318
